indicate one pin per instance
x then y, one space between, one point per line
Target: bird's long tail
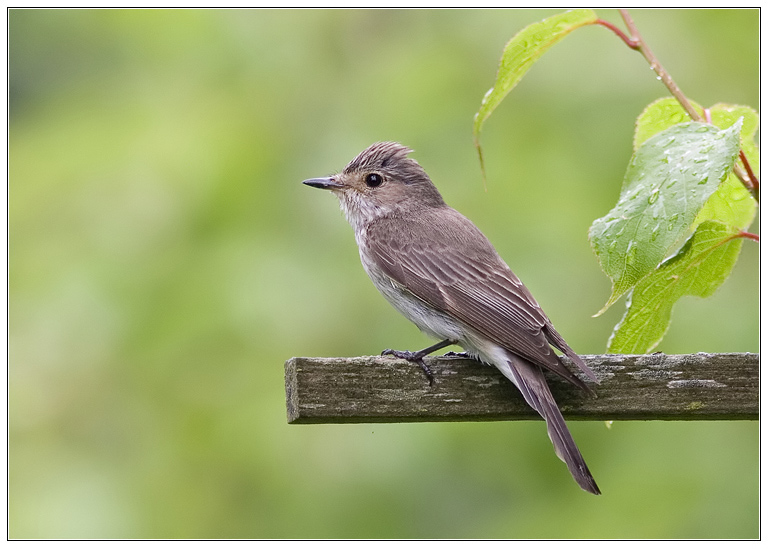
532 383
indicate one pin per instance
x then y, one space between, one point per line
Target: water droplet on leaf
632 250
672 220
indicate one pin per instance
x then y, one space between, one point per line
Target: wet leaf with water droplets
731 203
644 196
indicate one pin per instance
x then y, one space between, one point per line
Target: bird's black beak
322 183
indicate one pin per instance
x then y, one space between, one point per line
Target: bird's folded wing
467 279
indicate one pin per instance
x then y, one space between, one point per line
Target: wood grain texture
375 389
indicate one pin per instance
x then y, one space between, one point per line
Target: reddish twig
745 234
751 175
632 44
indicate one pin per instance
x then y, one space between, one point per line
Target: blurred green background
165 261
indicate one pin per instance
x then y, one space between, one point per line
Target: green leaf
667 182
699 267
731 203
702 264
659 116
519 55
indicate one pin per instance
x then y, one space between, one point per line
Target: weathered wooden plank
379 389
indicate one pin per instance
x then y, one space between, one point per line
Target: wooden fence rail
375 389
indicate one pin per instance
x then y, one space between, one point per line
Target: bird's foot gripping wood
417 356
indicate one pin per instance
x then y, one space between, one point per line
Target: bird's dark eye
373 180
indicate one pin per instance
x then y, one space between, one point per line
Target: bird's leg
417 356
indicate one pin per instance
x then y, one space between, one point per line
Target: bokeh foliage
165 260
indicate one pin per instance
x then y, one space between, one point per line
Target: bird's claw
416 357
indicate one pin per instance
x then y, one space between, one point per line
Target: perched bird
438 270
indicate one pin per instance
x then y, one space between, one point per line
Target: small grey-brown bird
438 270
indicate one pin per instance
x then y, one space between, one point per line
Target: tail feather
531 381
